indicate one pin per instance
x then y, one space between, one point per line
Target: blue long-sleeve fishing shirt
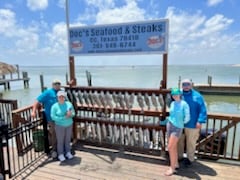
198 112
59 111
179 113
48 98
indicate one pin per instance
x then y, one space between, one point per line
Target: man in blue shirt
198 116
47 98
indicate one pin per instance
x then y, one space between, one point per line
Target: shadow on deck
91 162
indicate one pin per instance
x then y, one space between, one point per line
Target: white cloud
214 2
7 21
35 5
195 36
101 4
127 13
57 39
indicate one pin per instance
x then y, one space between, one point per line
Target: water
133 76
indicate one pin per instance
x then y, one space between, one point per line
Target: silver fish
121 101
99 133
87 130
140 137
161 101
121 135
109 101
102 100
93 130
85 97
154 101
90 97
116 133
110 130
140 101
134 135
128 136
115 99
147 101
146 138
96 99
80 97
69 96
104 131
131 100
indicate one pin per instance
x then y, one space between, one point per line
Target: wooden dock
92 163
6 80
218 89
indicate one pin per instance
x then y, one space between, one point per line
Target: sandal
169 172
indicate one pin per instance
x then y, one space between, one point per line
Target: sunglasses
57 84
186 84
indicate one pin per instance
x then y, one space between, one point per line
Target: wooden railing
120 116
220 138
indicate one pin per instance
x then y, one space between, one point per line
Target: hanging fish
146 138
69 95
80 97
85 97
154 137
121 100
147 101
134 134
131 100
110 130
140 102
90 97
99 133
103 101
154 101
121 135
108 98
104 131
87 128
128 136
140 137
93 130
161 101
115 99
96 99
116 133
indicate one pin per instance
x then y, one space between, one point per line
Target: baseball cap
186 81
176 91
56 81
61 93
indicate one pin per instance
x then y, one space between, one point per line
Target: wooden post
42 83
72 71
179 81
164 72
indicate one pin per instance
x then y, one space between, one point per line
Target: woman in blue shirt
179 114
62 113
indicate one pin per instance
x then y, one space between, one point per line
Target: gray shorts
173 130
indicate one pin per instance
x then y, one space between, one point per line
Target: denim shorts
173 130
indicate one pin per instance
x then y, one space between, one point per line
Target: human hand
198 125
33 114
69 113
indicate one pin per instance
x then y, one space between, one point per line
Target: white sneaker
61 158
69 155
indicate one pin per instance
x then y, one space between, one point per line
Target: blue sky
33 32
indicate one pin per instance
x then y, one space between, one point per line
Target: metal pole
67 24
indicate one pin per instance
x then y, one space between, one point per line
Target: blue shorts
173 130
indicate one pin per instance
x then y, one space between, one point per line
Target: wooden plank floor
92 163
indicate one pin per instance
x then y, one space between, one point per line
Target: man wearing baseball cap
47 98
198 116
